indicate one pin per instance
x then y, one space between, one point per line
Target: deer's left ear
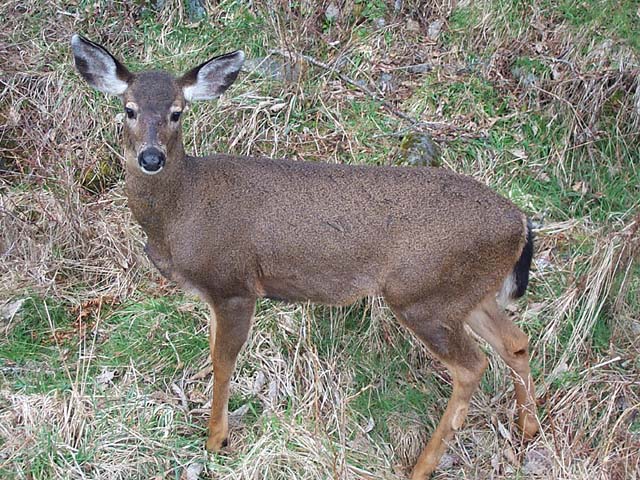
99 68
212 78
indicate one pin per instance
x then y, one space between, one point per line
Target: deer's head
153 100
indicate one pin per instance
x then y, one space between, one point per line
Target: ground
104 368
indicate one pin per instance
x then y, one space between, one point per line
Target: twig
602 364
552 424
201 374
415 123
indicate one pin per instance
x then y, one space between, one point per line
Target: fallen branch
414 122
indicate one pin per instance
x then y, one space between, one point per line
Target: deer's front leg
229 328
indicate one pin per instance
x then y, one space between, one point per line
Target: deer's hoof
528 425
216 443
421 472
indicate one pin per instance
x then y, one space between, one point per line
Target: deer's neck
153 199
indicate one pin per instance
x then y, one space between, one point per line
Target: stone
537 462
419 68
413 26
435 28
273 68
386 82
195 10
332 12
419 149
380 23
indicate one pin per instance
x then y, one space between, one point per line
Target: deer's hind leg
490 322
447 339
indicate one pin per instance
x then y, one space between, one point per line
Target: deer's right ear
210 79
98 67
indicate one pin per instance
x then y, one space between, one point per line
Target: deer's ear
99 68
212 78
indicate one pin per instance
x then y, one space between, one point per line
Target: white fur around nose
148 172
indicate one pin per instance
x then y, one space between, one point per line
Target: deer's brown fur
436 245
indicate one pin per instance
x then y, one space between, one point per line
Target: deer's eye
131 113
175 116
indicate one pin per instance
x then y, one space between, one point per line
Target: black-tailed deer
440 247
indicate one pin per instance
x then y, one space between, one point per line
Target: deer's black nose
151 160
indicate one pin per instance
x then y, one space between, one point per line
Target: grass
37 341
103 368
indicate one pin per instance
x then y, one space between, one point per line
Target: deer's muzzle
151 160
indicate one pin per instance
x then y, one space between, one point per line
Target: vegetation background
104 368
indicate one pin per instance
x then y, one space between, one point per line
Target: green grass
603 19
461 21
380 371
45 348
471 95
155 335
533 66
599 19
33 353
591 184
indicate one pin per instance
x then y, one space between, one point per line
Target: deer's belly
317 288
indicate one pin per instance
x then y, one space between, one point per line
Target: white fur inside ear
197 91
97 67
213 77
114 86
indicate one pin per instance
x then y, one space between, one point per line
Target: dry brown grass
66 235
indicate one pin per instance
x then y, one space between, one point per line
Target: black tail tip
523 265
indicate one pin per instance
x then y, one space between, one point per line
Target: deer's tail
516 282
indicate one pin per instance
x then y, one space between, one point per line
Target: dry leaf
105 377
369 426
240 411
537 461
277 107
413 26
504 432
446 461
259 382
192 472
510 455
543 177
496 462
581 187
543 260
519 153
10 309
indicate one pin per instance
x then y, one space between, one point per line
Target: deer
444 251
